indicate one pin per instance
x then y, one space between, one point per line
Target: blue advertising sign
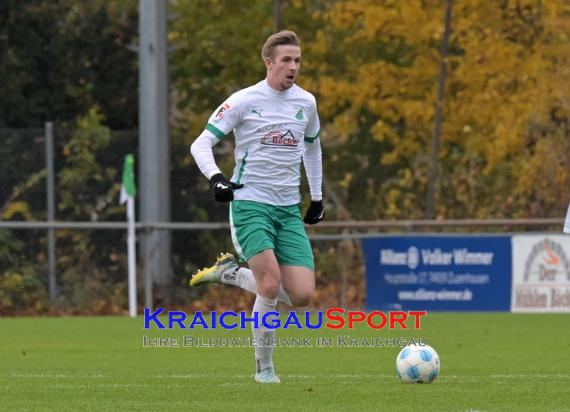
441 273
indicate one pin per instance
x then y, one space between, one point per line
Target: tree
503 98
376 82
377 85
65 57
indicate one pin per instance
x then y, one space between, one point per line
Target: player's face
282 70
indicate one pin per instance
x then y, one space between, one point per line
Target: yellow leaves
320 44
401 198
392 202
344 125
417 112
11 281
381 132
502 82
546 172
368 22
346 181
405 148
94 118
508 73
17 208
174 36
342 15
335 93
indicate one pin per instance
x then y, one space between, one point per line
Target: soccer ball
418 364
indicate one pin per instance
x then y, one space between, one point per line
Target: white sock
263 354
243 278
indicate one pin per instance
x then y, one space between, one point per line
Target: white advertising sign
541 273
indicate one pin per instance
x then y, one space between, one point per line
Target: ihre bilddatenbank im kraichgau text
335 319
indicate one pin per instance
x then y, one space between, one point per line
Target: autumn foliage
374 68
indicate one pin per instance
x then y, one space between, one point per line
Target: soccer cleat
213 274
267 375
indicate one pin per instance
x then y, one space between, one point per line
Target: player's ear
267 61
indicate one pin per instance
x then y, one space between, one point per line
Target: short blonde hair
283 38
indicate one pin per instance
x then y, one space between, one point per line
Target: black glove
315 213
223 189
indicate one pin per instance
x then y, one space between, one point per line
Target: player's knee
302 299
269 287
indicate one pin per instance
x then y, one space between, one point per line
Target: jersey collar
274 92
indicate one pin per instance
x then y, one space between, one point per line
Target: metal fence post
344 248
50 189
146 272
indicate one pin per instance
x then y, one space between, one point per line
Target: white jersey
271 129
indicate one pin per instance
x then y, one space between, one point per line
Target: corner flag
128 192
128 188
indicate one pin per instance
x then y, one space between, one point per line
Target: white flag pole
128 192
132 257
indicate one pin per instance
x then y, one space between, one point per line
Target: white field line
531 376
299 377
190 376
102 386
56 376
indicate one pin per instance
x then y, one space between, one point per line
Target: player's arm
222 121
202 152
313 163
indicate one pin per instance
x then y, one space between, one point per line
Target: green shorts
258 226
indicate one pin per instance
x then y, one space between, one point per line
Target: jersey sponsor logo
273 128
220 112
280 138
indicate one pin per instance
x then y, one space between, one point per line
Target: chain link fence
23 166
84 166
89 273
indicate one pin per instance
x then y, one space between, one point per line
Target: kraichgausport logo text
333 318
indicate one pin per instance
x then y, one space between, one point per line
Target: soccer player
276 128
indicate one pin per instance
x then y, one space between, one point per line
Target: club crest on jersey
220 112
280 138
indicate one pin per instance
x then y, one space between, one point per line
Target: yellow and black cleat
213 274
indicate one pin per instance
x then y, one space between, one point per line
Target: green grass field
490 362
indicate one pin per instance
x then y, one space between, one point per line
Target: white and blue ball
418 364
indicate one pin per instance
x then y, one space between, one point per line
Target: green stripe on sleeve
312 139
242 168
215 131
